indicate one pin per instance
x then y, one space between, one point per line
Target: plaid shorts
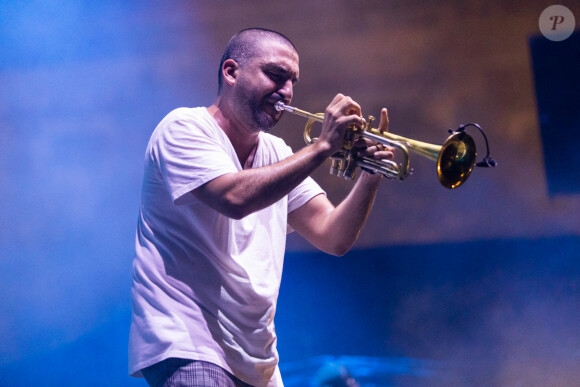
174 372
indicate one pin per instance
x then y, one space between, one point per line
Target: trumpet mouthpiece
279 106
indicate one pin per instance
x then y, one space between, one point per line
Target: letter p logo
557 23
557 20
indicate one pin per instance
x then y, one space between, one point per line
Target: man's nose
287 90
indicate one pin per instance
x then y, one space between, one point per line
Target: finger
372 146
345 105
362 142
381 147
348 120
384 122
381 151
378 151
352 108
384 154
337 98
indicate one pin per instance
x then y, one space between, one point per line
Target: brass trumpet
455 158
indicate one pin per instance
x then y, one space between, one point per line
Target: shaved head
244 46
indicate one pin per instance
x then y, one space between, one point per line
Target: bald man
219 196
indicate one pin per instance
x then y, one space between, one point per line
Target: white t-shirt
205 286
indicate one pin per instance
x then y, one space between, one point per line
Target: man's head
245 45
259 67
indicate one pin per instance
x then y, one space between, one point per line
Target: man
219 196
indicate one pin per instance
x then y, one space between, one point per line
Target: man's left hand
369 148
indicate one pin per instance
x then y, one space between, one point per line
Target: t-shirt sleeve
303 193
188 154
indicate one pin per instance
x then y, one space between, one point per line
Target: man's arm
239 194
335 230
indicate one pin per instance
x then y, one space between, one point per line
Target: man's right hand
341 113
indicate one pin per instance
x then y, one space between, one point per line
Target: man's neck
244 141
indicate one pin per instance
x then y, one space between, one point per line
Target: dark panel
556 67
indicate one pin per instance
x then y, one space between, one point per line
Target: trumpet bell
456 160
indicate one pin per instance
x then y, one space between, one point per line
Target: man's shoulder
187 118
185 124
187 113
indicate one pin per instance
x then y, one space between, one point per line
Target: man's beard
261 118
253 112
264 121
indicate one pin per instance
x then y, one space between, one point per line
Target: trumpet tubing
454 159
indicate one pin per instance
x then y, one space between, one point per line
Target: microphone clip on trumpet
455 159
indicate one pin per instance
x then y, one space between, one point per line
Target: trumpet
454 159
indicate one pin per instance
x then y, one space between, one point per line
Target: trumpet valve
369 123
350 169
336 166
343 165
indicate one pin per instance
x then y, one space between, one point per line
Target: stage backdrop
83 84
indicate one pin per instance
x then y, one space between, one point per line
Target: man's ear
230 71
